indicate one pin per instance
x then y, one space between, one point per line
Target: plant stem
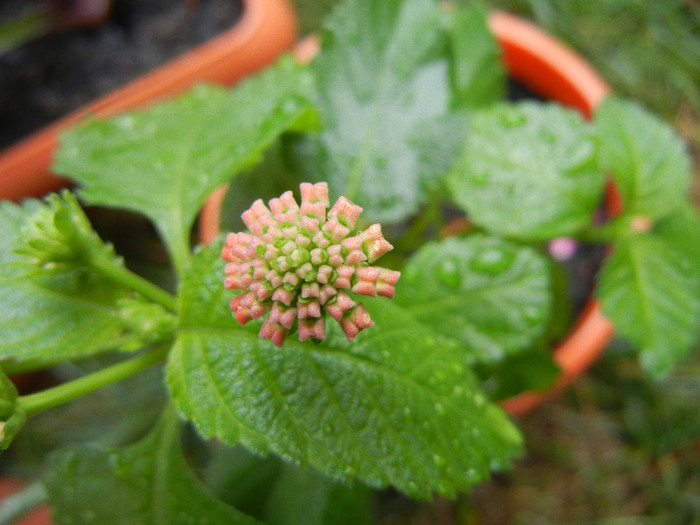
125 277
34 403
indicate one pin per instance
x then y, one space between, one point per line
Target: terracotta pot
266 28
550 69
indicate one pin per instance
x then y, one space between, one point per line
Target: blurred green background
617 448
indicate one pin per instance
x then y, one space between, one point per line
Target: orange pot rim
265 29
551 69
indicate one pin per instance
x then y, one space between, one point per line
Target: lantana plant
265 410
299 262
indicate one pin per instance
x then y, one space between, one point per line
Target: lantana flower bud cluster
299 263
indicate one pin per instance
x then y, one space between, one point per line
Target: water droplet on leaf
492 261
511 119
449 273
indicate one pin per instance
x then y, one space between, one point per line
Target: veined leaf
681 230
396 406
53 314
645 159
528 171
166 160
379 81
651 293
148 483
489 294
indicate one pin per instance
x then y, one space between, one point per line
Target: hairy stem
125 277
35 403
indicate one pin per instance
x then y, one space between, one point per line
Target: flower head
299 263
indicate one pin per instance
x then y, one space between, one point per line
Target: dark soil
47 78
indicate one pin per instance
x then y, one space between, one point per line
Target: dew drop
492 261
439 409
512 119
438 460
449 273
412 487
533 315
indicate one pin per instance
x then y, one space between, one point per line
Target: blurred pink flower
300 262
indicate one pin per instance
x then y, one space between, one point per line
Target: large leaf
396 406
166 160
148 483
55 313
283 494
489 294
528 171
646 160
651 293
379 83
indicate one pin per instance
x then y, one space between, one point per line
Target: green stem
35 403
125 277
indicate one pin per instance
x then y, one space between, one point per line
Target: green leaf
52 313
489 294
651 293
478 75
379 81
283 494
302 495
166 160
528 171
645 159
680 230
396 406
530 370
148 483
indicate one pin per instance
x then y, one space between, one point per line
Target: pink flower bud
298 262
357 320
375 245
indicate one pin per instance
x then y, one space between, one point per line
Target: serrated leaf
148 483
651 293
681 230
397 406
379 80
166 160
528 171
54 314
477 72
645 159
489 294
